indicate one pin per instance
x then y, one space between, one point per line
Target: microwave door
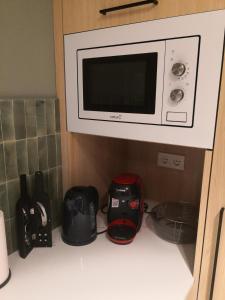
122 83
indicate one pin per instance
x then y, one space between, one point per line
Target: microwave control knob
178 69
176 95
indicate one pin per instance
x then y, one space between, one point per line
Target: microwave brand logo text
116 117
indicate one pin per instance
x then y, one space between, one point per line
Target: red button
134 204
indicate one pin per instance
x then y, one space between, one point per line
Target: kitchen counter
147 269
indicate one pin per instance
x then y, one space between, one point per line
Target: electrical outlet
171 161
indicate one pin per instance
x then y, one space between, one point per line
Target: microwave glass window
120 83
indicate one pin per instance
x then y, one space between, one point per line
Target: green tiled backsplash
29 141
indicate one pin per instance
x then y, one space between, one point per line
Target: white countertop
147 269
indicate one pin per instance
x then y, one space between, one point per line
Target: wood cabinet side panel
216 197
201 223
219 288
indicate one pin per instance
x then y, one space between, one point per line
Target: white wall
26 48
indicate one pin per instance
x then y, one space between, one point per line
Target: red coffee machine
125 208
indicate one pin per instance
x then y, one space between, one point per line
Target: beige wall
26 48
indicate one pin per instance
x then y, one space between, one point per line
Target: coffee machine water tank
79 215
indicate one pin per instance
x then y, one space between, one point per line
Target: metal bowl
176 222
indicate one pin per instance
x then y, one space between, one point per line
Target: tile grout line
3 149
11 228
35 103
56 145
54 103
36 133
29 138
25 121
26 147
13 121
10 246
46 138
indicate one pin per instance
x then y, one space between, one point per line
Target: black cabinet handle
110 9
216 252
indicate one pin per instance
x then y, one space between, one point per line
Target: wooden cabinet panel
84 15
216 198
201 224
96 160
217 290
218 283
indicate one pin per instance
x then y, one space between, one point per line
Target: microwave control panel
180 78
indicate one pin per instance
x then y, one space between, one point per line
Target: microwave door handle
110 9
216 252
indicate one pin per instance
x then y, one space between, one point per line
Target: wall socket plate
171 161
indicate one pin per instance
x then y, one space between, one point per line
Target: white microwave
154 81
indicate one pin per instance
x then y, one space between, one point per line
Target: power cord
146 209
101 232
103 209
